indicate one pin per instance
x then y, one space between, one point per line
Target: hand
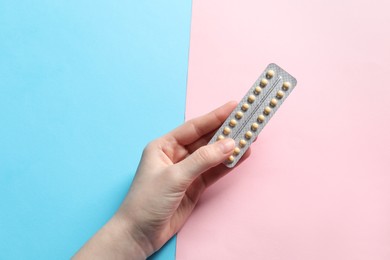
173 173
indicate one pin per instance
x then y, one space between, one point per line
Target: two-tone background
84 85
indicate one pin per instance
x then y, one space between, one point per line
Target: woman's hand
173 173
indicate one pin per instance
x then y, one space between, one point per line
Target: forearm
116 240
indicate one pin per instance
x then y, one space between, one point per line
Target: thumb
206 157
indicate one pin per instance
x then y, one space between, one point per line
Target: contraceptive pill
280 94
231 158
239 115
263 82
226 131
254 126
233 123
273 102
251 99
245 107
270 74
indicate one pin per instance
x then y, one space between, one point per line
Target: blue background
84 85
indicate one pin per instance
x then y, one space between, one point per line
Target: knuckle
149 147
204 155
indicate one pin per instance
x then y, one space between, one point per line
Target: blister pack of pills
255 110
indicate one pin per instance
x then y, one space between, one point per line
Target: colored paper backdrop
317 184
84 85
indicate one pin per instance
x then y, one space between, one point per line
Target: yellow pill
260 118
248 135
263 83
239 115
230 159
273 102
286 85
233 123
226 131
245 107
251 99
220 137
270 74
267 111
257 90
236 151
254 126
280 94
242 143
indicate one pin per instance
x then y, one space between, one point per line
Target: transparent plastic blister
255 110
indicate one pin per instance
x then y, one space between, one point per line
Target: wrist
132 236
114 241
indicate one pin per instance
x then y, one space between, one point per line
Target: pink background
318 183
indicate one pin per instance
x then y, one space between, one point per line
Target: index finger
195 128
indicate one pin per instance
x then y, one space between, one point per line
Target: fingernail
227 145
